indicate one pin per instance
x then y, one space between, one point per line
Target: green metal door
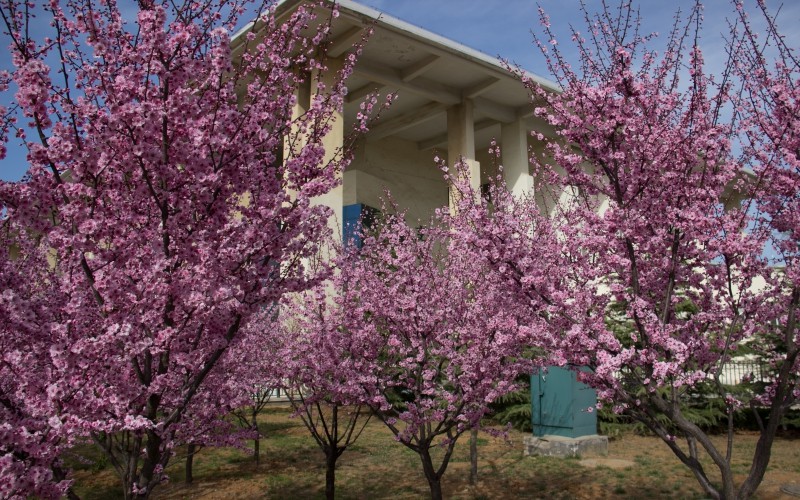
561 404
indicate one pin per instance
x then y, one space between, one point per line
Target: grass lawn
292 467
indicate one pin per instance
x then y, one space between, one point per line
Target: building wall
415 181
411 176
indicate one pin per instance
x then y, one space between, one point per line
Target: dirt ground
378 467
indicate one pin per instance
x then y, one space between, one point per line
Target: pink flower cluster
158 216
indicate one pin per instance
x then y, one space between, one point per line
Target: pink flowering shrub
159 214
433 333
666 189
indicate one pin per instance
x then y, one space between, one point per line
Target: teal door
561 404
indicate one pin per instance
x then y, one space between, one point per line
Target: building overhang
428 72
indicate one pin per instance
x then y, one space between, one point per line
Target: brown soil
379 467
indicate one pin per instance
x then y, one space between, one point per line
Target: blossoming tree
157 216
434 335
31 434
769 108
645 190
316 365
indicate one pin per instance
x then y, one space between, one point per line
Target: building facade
452 102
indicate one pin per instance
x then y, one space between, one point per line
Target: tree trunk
190 450
330 474
434 480
128 472
436 488
257 438
473 457
257 449
152 456
762 453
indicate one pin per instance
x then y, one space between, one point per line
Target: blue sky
503 28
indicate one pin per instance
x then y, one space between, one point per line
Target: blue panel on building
351 215
357 219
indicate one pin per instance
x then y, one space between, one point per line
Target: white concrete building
452 102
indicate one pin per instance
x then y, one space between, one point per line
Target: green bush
515 407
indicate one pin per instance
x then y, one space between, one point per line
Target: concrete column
461 143
332 142
514 148
293 142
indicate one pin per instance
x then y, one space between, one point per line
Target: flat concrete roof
427 71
